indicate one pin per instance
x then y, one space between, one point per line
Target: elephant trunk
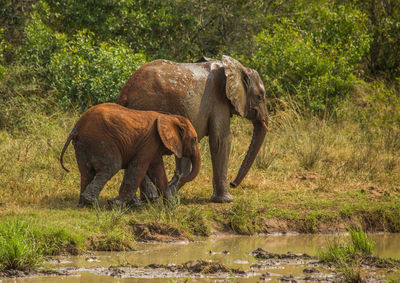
259 131
196 162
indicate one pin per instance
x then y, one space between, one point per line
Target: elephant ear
170 133
236 83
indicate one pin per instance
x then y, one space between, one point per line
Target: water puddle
159 262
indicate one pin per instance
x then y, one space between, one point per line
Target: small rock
92 259
264 276
287 279
310 270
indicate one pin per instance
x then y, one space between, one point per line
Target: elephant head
179 136
245 90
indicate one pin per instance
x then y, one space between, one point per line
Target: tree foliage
310 51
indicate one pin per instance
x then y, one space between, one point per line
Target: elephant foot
147 190
149 196
174 185
87 201
117 202
226 197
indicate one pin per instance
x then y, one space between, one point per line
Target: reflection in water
239 247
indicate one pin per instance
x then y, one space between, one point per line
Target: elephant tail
70 137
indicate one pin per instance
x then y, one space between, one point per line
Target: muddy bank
12 273
278 258
311 270
161 232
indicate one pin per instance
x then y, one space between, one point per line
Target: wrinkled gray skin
208 93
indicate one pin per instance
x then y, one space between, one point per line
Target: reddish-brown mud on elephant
109 137
208 93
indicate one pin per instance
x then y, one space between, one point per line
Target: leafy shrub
340 30
41 43
88 73
81 69
3 47
313 66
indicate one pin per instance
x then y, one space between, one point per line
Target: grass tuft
18 249
360 241
342 254
244 217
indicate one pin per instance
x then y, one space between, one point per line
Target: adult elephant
208 93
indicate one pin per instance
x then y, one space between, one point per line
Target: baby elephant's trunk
196 163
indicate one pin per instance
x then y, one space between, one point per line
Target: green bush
312 66
338 29
3 47
87 73
41 43
81 69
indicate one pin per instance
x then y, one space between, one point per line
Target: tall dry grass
311 170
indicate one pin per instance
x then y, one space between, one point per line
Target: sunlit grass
314 173
346 256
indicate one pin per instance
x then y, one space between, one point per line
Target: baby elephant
109 137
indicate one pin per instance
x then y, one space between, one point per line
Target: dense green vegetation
313 52
331 70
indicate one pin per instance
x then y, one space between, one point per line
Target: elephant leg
128 185
147 189
87 175
157 173
86 170
104 169
134 176
220 144
91 194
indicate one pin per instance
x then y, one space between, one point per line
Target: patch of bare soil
159 232
275 225
13 273
375 192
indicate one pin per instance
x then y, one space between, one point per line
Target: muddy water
233 251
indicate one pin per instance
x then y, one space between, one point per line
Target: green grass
17 248
312 175
346 256
24 242
244 217
343 254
